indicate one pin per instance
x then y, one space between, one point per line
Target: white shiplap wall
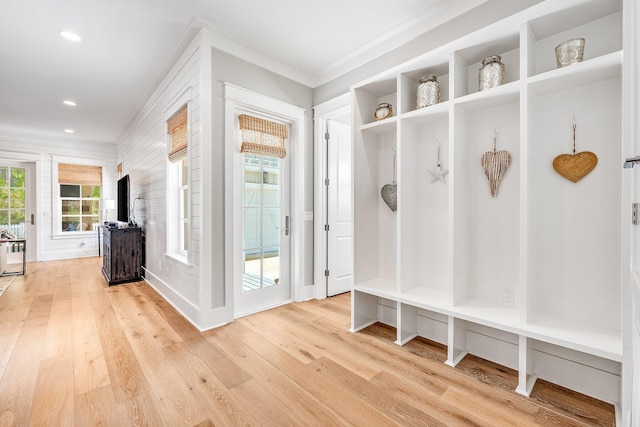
143 153
46 150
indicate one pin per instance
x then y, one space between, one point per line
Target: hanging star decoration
439 172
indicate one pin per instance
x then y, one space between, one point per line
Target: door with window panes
13 200
265 277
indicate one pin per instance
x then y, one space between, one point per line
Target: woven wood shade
263 137
79 174
178 129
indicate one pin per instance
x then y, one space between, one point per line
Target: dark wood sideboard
122 254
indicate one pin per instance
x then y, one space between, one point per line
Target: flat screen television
123 199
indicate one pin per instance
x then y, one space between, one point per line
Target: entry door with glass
13 214
265 234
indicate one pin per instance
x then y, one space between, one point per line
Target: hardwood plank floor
76 352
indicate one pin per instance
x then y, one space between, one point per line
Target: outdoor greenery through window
12 199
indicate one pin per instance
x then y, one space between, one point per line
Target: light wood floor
74 352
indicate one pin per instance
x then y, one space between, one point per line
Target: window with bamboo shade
263 137
80 193
178 129
178 207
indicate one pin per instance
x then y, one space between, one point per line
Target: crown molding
26 136
392 39
250 55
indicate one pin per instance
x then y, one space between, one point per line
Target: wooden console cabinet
122 255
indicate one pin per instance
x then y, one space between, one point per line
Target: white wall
143 153
230 69
198 289
44 150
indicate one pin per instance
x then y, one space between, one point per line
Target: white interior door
264 281
340 230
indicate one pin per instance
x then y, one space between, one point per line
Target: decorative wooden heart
495 164
575 167
389 194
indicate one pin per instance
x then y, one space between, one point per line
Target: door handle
33 221
286 225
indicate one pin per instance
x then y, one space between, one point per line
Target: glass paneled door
16 219
265 234
13 200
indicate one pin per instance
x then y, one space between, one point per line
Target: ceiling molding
28 136
394 38
251 55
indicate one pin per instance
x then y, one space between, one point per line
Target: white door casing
629 414
239 100
333 109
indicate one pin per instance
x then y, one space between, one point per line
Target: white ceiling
128 45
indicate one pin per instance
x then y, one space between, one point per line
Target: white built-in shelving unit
532 278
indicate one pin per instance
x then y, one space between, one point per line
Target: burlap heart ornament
575 166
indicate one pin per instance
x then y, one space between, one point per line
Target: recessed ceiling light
70 36
70 131
69 102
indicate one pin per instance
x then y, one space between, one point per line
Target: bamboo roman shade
263 137
79 174
178 129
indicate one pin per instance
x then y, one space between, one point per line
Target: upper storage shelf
369 96
590 71
467 62
598 22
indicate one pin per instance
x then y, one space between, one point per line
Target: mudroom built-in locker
497 246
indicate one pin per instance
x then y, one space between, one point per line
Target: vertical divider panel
406 277
364 310
407 323
457 348
458 251
527 68
400 186
459 209
526 379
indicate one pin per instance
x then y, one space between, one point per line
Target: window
183 205
178 204
80 192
